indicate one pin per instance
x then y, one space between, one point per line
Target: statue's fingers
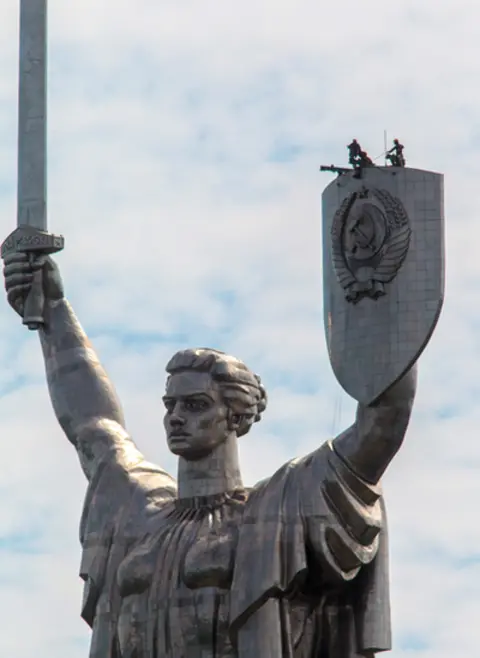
13 293
16 293
19 305
18 279
16 267
38 262
16 257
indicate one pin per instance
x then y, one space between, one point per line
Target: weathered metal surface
298 565
383 269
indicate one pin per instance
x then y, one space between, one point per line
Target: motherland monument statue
200 565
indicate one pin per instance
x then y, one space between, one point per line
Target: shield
383 274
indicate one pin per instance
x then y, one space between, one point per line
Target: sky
185 139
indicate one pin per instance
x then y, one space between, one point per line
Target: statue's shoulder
151 477
126 495
293 466
271 490
274 479
292 478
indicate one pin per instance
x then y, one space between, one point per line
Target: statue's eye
196 405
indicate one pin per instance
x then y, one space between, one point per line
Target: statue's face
196 419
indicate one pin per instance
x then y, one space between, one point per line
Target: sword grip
34 303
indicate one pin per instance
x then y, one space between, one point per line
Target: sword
31 235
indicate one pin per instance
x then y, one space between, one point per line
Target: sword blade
32 115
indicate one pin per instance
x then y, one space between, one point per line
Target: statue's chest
176 587
210 557
193 549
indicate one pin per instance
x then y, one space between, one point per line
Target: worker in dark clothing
365 160
395 154
354 151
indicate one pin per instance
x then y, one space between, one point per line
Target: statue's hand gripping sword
31 235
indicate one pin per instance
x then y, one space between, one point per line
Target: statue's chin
187 452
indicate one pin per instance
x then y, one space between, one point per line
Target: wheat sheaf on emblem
367 252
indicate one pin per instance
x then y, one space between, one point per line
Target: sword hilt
33 309
36 243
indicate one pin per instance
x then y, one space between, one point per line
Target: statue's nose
176 419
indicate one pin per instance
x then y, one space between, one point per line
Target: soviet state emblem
370 240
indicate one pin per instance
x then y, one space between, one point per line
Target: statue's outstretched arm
372 441
83 397
79 387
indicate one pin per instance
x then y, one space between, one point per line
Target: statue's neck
217 473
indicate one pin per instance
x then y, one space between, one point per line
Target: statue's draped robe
296 569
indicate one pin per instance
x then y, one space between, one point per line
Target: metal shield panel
383 274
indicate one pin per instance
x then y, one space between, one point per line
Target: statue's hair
241 389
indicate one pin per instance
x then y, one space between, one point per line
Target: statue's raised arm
83 397
369 445
121 481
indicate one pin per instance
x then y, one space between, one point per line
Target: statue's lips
178 437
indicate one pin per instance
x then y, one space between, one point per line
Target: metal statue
296 566
202 565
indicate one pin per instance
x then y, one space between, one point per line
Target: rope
337 415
